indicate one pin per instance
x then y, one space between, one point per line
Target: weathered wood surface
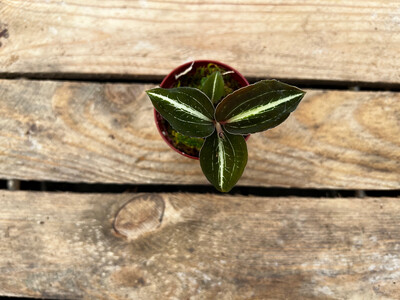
205 246
87 132
354 40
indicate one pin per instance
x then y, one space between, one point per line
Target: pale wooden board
206 246
87 132
354 40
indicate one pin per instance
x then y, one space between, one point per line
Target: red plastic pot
169 82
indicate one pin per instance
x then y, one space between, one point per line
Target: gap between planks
53 186
312 84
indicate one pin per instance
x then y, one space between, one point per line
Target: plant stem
220 131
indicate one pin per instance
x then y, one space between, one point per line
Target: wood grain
207 247
88 132
347 40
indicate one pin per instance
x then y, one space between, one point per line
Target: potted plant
193 74
209 106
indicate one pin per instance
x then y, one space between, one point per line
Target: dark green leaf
223 160
213 87
188 110
258 107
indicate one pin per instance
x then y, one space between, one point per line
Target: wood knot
32 129
3 32
141 215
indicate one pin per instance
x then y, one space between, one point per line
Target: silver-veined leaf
223 160
258 107
213 87
188 110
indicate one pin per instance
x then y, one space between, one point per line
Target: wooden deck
73 112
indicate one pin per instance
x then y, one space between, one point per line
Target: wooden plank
347 40
204 246
88 132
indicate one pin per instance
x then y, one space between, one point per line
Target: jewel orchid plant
223 123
